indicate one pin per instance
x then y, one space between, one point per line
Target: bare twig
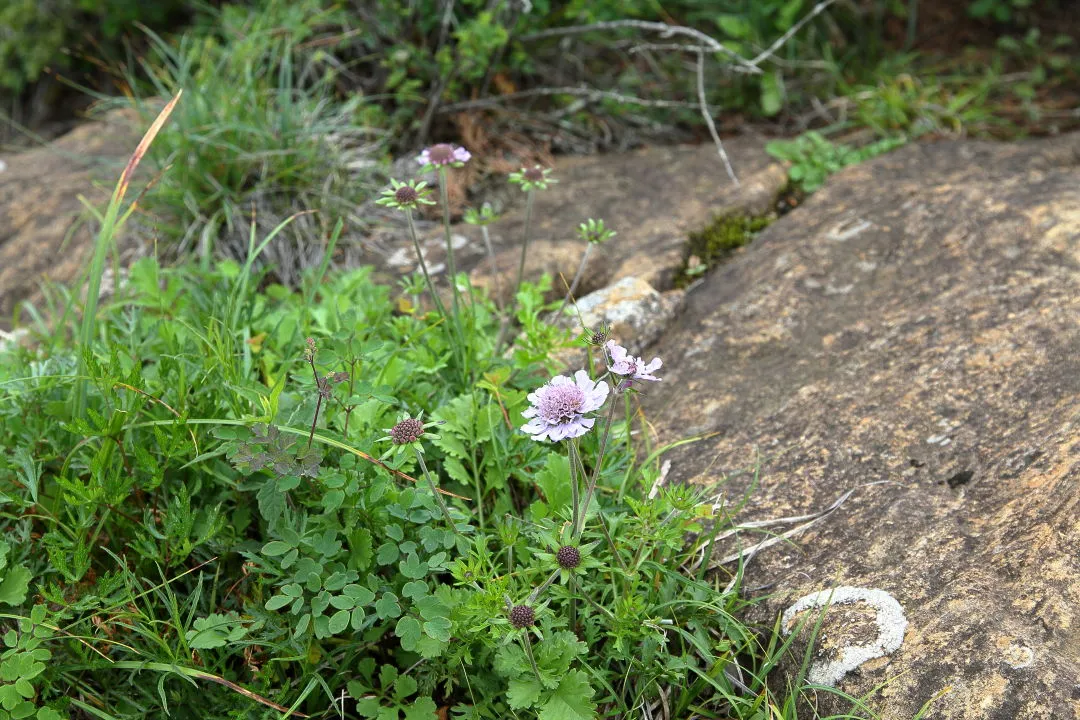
664 29
587 92
708 118
780 41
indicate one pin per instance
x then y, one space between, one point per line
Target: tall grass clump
327 502
262 136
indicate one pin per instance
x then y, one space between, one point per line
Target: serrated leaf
14 585
438 628
523 692
456 470
404 686
572 700
422 709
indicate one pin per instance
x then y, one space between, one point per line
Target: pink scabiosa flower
632 368
444 154
558 409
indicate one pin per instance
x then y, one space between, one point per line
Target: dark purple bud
522 616
407 431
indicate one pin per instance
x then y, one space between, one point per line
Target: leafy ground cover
222 498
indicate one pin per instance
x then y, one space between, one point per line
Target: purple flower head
444 154
558 409
632 368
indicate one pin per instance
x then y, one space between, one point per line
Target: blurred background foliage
295 105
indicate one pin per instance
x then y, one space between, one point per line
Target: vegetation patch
718 240
351 500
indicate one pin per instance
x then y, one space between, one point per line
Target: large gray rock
654 198
44 234
911 334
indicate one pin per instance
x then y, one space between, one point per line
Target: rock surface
42 229
911 333
653 198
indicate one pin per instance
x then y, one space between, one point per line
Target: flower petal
595 398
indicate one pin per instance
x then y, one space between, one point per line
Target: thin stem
494 266
541 588
576 280
423 265
579 591
529 652
318 405
596 470
611 543
444 196
435 491
525 243
453 330
574 489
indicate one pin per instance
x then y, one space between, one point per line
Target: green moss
716 241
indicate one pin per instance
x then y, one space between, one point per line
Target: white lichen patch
890 621
1019 656
848 229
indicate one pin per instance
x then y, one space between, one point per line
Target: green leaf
409 630
215 631
523 692
772 94
413 568
422 709
388 553
339 621
333 500
404 686
554 481
414 589
14 585
359 593
438 628
572 700
275 548
31 471
734 26
387 607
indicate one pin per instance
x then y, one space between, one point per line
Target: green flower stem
423 265
576 280
579 591
525 242
579 525
455 296
529 652
494 266
535 594
452 328
574 489
611 543
435 491
444 196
